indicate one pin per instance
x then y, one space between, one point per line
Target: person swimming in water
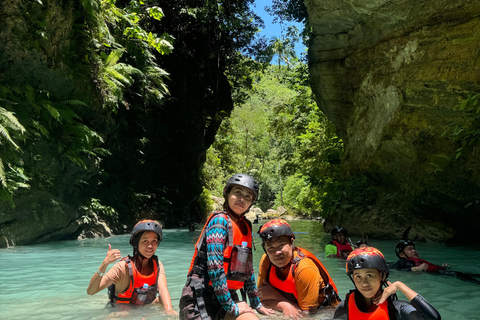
339 247
409 260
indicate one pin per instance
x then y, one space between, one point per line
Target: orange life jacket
353 313
137 280
235 278
288 285
342 247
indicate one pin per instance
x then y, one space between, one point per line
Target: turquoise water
49 281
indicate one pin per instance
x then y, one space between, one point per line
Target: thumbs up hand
112 255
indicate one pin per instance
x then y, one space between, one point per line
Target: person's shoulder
218 218
340 311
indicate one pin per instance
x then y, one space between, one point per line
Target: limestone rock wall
389 74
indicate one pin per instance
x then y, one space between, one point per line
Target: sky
274 29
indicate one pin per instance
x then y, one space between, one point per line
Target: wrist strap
101 274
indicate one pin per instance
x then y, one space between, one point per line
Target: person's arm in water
270 297
163 293
98 281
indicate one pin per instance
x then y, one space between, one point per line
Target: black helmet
243 180
275 228
401 245
366 258
145 225
337 230
360 242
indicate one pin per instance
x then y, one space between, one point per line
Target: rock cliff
390 75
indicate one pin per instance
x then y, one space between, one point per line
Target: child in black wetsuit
368 270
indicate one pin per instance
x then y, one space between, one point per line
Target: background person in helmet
339 247
144 267
409 260
222 262
374 296
291 279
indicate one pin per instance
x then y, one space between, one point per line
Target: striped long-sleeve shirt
216 239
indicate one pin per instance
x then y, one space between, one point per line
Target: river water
49 281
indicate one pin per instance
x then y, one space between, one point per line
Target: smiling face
367 281
148 244
279 251
409 252
340 237
239 199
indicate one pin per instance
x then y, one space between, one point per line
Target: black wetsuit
403 264
417 309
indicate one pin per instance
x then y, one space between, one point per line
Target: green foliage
300 196
121 36
205 202
279 136
465 131
97 209
347 194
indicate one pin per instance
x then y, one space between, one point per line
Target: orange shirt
308 281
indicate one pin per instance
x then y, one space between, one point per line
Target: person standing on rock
339 247
291 279
135 279
222 262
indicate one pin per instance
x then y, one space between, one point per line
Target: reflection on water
49 281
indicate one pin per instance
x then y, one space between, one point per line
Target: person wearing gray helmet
138 278
222 262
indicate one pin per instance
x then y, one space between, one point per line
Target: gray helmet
145 225
243 180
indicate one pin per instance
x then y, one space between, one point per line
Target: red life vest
235 279
137 280
431 267
288 285
353 313
342 247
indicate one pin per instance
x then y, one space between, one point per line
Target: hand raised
387 292
112 255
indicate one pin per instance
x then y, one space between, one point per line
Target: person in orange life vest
222 262
409 260
135 279
374 296
339 246
291 279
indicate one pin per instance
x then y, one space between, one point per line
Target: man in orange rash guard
292 279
